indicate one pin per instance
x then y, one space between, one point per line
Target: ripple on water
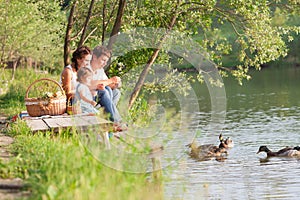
245 174
265 111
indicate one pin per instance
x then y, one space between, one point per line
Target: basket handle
44 79
69 100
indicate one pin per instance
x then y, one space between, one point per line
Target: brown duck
208 151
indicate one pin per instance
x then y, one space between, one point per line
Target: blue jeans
116 96
105 99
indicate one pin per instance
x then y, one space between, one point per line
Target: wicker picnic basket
51 104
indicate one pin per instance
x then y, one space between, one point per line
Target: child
83 92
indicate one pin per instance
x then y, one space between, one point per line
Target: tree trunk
29 62
14 69
87 19
117 24
139 84
103 21
13 72
116 28
67 49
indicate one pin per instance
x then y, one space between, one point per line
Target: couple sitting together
85 80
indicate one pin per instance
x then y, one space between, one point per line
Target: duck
225 143
207 151
285 152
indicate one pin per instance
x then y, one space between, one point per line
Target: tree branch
68 34
151 60
103 21
86 38
87 19
117 24
105 24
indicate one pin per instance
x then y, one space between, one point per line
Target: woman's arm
66 79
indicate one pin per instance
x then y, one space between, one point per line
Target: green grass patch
12 100
58 167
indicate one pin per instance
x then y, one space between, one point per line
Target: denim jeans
116 96
105 99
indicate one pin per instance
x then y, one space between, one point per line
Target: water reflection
265 111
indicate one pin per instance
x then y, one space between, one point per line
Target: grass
12 102
57 166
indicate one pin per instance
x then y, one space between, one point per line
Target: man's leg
105 100
116 96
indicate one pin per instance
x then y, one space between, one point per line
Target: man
105 95
102 55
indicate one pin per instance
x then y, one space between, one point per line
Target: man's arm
97 84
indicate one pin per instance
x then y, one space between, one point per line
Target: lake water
264 111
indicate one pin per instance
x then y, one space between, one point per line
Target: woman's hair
82 73
79 53
100 50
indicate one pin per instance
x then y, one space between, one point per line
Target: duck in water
285 152
210 151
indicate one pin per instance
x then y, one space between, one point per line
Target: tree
101 15
117 24
258 40
30 29
254 38
69 27
151 60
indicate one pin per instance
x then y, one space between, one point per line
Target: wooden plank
79 121
37 125
54 123
94 121
59 122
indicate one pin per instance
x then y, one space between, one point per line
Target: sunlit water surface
264 111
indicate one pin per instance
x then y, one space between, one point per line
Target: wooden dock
61 122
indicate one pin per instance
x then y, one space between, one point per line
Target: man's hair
101 50
82 73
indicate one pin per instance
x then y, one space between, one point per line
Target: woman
81 57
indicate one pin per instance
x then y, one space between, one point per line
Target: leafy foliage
259 40
236 34
31 28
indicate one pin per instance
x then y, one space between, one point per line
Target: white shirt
73 78
85 106
99 74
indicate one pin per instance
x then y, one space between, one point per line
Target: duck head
263 149
225 143
229 142
297 148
